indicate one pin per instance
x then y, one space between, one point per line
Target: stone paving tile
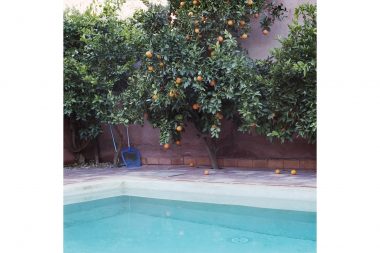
304 178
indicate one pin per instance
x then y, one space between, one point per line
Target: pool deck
304 178
250 187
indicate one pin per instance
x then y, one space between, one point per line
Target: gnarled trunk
96 151
120 139
75 147
211 153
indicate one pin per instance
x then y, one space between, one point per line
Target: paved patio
304 178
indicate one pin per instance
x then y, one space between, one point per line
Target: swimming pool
141 225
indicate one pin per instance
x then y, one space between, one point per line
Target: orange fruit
195 106
250 2
244 36
204 19
196 30
161 64
277 171
178 142
206 172
212 83
155 97
178 80
241 22
230 22
196 22
172 93
191 164
158 56
190 14
199 78
195 2
179 128
265 32
182 4
219 115
149 54
188 37
150 68
166 146
220 39
293 172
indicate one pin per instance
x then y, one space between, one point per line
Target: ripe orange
199 78
206 172
158 56
179 128
155 97
244 36
195 2
219 115
172 93
188 37
265 32
178 80
196 106
190 14
230 22
166 146
178 142
161 64
241 22
220 39
182 4
250 2
150 68
212 83
196 22
293 172
149 54
196 30
204 19
277 171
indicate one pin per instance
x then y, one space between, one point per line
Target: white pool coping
264 196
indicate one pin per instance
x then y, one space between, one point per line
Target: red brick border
234 162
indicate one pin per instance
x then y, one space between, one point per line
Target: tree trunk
96 152
120 138
211 153
75 148
81 159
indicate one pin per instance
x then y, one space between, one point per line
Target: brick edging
234 162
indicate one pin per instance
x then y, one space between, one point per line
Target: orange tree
100 52
194 69
288 83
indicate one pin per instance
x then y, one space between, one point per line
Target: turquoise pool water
127 224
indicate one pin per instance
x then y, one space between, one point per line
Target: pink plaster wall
259 45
